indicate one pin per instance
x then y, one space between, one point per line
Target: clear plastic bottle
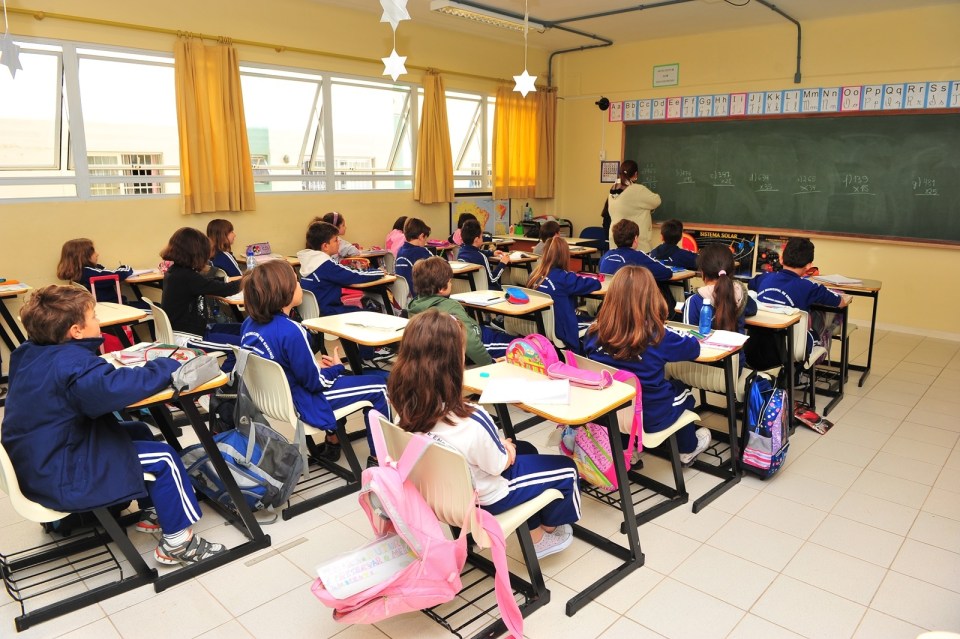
527 212
251 259
706 317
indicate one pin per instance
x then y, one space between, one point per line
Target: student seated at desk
631 333
625 234
731 304
548 229
471 253
669 252
78 263
346 249
433 278
457 236
414 249
395 239
426 385
789 287
222 236
553 277
270 291
68 449
323 276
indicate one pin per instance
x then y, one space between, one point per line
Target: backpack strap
411 454
509 610
636 427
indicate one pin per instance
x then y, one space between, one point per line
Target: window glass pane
130 122
29 110
466 138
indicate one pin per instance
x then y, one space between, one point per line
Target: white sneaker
553 543
703 442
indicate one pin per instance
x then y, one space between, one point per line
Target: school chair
443 478
401 295
522 327
105 278
65 565
268 387
479 279
389 263
309 309
601 239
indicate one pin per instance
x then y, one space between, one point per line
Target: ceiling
686 17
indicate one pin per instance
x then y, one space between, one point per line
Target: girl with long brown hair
731 304
222 236
79 262
631 333
426 389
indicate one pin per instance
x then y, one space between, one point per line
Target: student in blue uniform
625 234
470 251
669 252
68 449
553 277
346 248
457 236
789 287
731 304
78 263
548 229
222 236
631 333
416 233
427 384
322 275
270 291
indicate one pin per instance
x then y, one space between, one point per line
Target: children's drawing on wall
493 215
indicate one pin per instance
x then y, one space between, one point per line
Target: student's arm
822 295
303 366
100 388
661 272
347 249
691 309
577 285
751 308
202 285
647 198
679 346
475 350
487 452
343 276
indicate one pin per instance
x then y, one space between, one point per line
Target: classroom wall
898 46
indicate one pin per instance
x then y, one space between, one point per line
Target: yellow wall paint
899 46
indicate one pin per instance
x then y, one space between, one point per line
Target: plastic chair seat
511 519
654 439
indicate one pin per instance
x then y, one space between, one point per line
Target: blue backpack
765 426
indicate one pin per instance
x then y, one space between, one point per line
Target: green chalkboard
872 175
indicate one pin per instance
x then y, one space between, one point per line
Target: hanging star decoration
9 51
394 66
524 83
393 12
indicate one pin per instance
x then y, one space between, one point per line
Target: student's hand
356 246
511 451
505 258
498 253
845 299
326 360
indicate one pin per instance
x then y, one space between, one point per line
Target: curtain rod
42 15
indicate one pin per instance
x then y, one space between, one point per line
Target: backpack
535 352
413 565
765 426
265 465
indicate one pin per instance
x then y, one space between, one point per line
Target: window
470 136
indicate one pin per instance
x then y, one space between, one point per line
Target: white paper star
524 83
394 11
394 66
10 54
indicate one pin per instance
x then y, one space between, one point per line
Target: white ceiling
684 18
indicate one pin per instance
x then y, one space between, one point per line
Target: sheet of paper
379 321
724 339
514 390
143 271
518 255
9 288
365 567
777 308
838 279
479 298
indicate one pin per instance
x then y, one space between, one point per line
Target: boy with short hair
323 275
625 233
669 252
416 233
470 252
69 451
433 278
548 229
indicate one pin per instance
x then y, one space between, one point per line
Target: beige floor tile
805 490
597 563
909 386
551 621
101 629
953 461
659 612
841 451
917 602
931 564
736 498
929 355
876 625
273 575
664 549
783 514
624 628
752 627
230 630
906 400
895 489
945 420
296 615
905 468
949 479
913 449
876 512
185 611
882 408
836 572
700 526
762 545
867 420
943 503
858 435
941 532
712 571
933 435
789 603
826 470
940 394
858 540
910 368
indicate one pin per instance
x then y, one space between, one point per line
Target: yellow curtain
433 180
546 142
215 169
515 145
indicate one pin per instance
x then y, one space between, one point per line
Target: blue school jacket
324 277
106 290
673 255
789 289
615 259
408 255
68 450
661 405
473 255
227 263
285 342
564 287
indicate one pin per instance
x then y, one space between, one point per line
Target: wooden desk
465 271
381 286
234 302
586 405
681 276
532 310
866 288
360 328
783 324
153 279
836 394
114 317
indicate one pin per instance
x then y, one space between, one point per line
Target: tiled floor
858 536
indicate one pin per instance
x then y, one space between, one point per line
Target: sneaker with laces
194 550
382 354
553 542
703 442
149 523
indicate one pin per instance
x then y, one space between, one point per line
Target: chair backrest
309 309
598 235
26 508
390 263
442 476
162 327
267 385
401 292
105 278
800 337
549 323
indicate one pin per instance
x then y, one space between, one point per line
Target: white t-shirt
476 438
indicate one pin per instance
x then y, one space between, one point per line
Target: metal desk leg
842 367
873 328
352 351
12 325
733 478
791 377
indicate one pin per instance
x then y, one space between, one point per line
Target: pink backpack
536 352
401 518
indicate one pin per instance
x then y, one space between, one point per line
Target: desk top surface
167 394
362 327
150 276
863 286
111 313
766 319
585 404
463 267
12 290
504 308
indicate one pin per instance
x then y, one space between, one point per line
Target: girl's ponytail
715 262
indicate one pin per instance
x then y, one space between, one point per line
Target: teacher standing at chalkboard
631 201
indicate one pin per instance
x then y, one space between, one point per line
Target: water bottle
251 259
706 317
527 212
